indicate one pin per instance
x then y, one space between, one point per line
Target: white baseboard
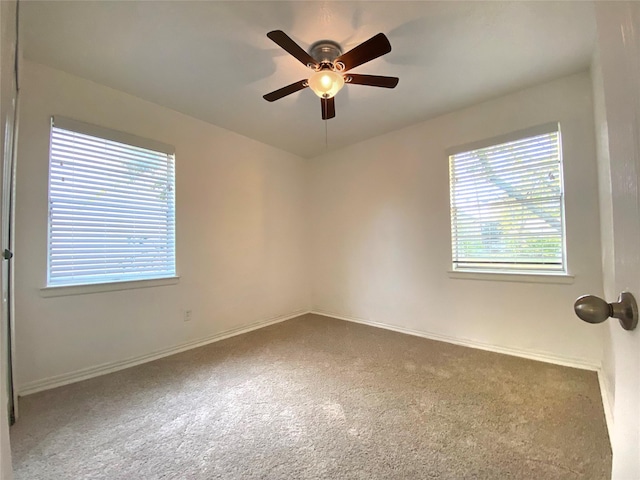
541 356
607 402
90 372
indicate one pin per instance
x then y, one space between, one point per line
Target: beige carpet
318 398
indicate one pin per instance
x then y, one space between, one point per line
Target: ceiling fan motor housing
325 52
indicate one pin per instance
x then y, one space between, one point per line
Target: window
111 206
507 204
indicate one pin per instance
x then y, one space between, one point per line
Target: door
8 108
8 99
617 90
6 250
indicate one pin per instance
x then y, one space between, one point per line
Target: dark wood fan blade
284 91
292 47
375 47
371 80
328 108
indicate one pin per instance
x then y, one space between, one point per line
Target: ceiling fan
329 67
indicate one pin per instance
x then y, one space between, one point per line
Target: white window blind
507 205
111 206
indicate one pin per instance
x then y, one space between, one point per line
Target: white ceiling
213 60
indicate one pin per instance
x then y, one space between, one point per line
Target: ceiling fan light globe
326 83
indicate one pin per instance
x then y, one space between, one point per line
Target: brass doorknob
593 309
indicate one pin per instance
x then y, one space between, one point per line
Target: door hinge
7 254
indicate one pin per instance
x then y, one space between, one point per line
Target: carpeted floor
318 398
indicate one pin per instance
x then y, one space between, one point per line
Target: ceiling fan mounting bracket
325 51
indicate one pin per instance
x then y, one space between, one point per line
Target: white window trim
555 277
508 137
113 135
522 277
66 290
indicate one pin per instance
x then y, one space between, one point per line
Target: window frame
103 133
498 272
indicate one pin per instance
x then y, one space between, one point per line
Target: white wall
376 220
380 231
616 72
240 227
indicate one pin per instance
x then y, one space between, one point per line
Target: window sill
64 290
524 277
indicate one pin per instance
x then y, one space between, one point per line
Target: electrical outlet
187 316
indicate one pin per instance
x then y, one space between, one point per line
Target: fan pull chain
326 135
